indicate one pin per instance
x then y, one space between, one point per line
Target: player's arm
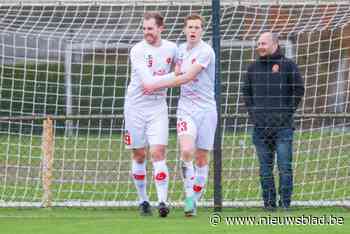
171 80
177 69
174 80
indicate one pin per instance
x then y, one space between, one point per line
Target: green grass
93 168
88 221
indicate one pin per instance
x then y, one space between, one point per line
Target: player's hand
148 89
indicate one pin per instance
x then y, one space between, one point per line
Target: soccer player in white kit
146 114
196 113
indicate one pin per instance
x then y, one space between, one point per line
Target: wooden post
47 161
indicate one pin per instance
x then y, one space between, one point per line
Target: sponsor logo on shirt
275 68
149 60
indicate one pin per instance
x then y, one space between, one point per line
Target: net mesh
72 60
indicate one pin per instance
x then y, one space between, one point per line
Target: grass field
94 168
88 221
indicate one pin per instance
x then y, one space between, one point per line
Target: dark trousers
269 141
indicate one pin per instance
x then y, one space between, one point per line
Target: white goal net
70 61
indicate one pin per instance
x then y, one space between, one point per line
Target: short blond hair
156 16
194 17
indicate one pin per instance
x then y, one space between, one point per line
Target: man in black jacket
272 90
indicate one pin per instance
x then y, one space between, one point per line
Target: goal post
69 61
47 161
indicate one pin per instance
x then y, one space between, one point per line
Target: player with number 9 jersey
148 62
146 113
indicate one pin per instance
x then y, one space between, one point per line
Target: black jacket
272 91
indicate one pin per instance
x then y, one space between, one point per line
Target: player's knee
202 158
139 155
158 153
187 153
201 162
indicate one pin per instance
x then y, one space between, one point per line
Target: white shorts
146 127
200 125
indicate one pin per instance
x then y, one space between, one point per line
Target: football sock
200 179
161 179
188 174
139 176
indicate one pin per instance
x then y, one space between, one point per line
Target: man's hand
148 89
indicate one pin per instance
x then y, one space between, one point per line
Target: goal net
69 62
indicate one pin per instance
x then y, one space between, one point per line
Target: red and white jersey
147 62
198 94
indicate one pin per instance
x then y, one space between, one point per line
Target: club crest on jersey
149 60
275 68
168 60
193 60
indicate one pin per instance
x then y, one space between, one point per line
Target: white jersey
148 61
198 94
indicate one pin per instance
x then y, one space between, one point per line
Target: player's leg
139 177
160 171
134 139
187 154
157 134
205 141
187 132
161 177
187 151
201 173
